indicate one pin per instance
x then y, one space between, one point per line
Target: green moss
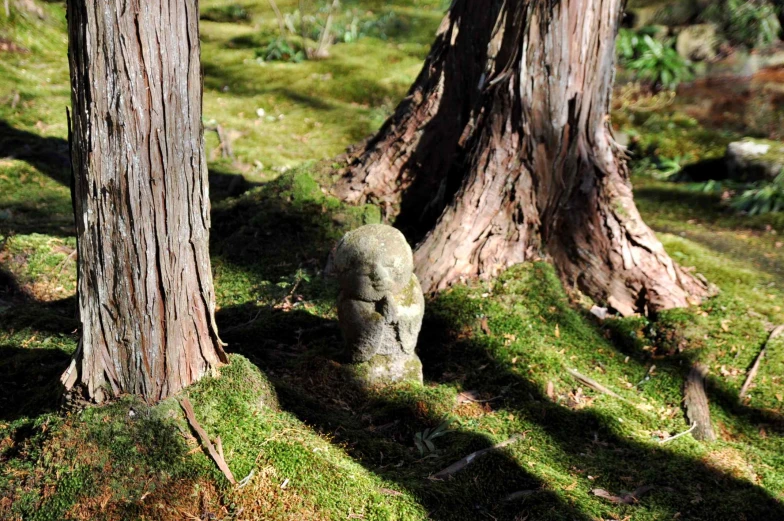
289 407
409 294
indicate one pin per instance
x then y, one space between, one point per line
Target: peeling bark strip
141 201
509 121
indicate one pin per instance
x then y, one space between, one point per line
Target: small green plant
761 198
352 26
327 26
282 50
659 167
753 23
424 439
627 44
667 167
652 60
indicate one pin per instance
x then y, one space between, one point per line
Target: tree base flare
516 155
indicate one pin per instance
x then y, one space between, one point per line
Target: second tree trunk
504 145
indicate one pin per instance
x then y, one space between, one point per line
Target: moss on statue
385 370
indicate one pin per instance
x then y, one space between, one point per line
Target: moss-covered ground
496 355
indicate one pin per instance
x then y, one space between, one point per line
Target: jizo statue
380 306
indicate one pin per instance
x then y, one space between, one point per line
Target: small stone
698 42
754 160
380 307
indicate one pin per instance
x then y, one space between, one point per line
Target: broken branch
463 463
520 494
684 433
224 141
185 403
695 399
754 368
596 386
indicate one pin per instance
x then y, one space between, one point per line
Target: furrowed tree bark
517 156
422 135
141 201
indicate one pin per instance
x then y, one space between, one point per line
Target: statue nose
380 274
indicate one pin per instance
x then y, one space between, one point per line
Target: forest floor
496 355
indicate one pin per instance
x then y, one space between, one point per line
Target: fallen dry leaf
550 390
485 327
626 499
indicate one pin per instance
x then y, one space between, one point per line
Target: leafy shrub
347 26
660 167
316 32
753 23
360 27
750 198
232 13
280 49
652 60
761 198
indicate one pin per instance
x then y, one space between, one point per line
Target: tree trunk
506 136
141 201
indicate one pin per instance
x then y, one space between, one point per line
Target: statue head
373 261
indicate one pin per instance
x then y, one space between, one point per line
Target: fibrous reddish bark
517 156
141 201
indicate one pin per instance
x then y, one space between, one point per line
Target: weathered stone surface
698 42
381 305
754 159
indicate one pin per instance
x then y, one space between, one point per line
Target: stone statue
380 306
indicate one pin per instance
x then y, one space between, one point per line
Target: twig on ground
596 386
244 481
471 396
185 403
520 494
59 269
754 368
696 402
684 433
463 463
223 140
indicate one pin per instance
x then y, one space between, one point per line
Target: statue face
373 261
377 277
